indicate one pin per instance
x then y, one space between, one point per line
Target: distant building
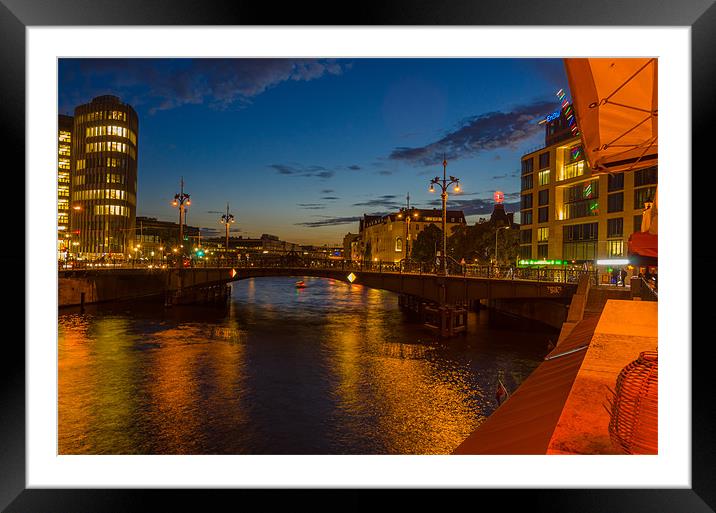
161 237
64 167
325 252
349 242
104 177
569 215
389 238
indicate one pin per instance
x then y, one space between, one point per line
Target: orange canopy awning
644 244
616 106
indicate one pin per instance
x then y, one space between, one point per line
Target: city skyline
303 148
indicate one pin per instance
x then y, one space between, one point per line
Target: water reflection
329 369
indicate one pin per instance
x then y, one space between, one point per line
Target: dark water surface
329 369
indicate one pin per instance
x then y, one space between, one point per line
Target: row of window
99 178
578 251
64 150
65 136
120 131
110 146
98 194
102 114
63 163
615 228
94 162
582 191
63 177
111 210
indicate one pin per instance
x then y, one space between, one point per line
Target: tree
427 243
367 252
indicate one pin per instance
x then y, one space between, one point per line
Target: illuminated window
572 170
543 177
65 136
64 150
63 163
615 248
542 234
399 244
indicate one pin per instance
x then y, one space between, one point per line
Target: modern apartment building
64 168
104 178
571 216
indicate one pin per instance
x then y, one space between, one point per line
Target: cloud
385 172
477 206
312 206
296 170
163 84
354 167
485 132
330 198
327 191
385 201
330 221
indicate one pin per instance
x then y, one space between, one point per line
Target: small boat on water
300 284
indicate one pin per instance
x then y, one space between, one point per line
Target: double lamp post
444 183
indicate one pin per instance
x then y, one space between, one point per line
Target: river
329 369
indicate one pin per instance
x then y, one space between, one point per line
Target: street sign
233 273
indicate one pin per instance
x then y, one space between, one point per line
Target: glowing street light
444 184
182 201
226 220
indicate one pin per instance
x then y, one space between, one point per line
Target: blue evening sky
302 148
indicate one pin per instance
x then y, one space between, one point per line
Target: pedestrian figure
615 276
622 275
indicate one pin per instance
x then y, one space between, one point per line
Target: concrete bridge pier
444 320
217 294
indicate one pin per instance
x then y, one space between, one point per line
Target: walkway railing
455 269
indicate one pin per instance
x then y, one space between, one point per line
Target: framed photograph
415 248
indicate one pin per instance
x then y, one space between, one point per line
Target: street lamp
444 184
226 220
181 199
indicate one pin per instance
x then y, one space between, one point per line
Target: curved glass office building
104 178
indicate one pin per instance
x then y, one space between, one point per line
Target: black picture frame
16 15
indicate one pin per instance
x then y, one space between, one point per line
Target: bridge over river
105 284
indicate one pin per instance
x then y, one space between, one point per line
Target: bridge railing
562 275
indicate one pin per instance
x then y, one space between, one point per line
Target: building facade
104 178
569 215
64 170
389 238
